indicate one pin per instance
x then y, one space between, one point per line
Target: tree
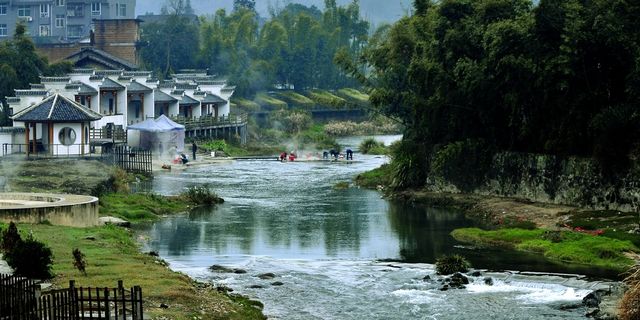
172 44
244 5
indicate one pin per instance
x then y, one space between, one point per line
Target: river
346 253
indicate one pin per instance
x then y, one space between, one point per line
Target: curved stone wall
57 209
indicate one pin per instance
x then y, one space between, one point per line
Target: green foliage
409 161
10 238
31 259
326 98
137 207
567 246
381 176
201 195
295 99
293 121
451 264
118 182
560 78
216 145
464 163
371 146
79 261
265 100
246 105
354 96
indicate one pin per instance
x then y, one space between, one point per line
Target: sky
375 11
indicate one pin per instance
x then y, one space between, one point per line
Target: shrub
10 238
31 259
463 163
325 98
371 146
201 195
79 261
452 264
630 303
291 121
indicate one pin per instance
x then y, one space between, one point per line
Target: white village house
87 101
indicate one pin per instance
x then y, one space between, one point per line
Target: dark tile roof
109 84
125 78
228 88
92 56
36 86
199 93
166 85
82 88
136 87
177 92
212 82
54 79
188 101
96 78
212 98
13 99
109 72
138 73
160 96
56 108
186 86
82 71
27 92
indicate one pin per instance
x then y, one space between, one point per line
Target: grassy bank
112 255
564 246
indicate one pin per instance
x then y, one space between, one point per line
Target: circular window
67 136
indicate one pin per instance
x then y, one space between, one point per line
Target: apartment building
50 21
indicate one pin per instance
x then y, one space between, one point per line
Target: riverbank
113 253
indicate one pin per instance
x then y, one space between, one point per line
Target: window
96 8
75 31
122 9
59 3
67 136
75 10
59 20
3 29
24 11
44 10
3 9
45 30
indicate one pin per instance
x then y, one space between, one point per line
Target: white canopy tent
162 135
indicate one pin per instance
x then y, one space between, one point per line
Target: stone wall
551 179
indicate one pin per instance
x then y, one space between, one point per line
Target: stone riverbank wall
551 179
57 209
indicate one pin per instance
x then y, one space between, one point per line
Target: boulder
593 299
256 286
114 221
266 276
219 268
277 283
488 281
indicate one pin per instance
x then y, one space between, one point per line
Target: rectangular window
96 9
122 9
3 9
3 29
75 31
60 20
24 11
44 10
45 30
75 10
59 3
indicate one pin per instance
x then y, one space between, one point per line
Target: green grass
574 247
139 207
295 99
381 176
354 95
326 98
246 105
112 254
263 99
371 146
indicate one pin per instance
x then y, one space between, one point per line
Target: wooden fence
131 159
17 297
20 299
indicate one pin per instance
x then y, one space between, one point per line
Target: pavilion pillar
82 138
51 146
35 138
26 137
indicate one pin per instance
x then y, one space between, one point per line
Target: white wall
73 149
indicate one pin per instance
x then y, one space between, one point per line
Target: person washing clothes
194 148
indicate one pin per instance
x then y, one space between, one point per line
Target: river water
346 254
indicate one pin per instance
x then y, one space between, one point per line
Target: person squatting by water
283 156
349 154
183 158
325 155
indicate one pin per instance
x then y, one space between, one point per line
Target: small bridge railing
210 121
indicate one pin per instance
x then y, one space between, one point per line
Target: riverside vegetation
112 253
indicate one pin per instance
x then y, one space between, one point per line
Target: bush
408 163
371 146
79 261
452 264
463 163
291 121
10 238
201 195
31 259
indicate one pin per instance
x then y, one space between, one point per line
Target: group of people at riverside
326 155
